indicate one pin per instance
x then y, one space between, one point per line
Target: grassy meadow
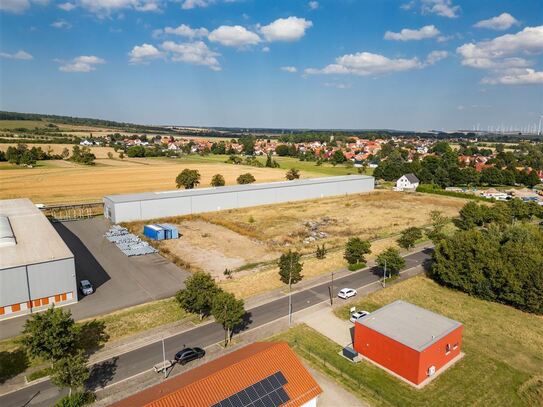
503 363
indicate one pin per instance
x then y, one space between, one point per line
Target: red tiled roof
227 375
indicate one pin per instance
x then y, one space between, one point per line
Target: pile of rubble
313 229
128 243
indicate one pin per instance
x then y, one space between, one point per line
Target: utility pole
332 291
385 275
289 293
164 358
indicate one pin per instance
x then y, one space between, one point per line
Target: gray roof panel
409 324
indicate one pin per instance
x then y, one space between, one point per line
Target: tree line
497 254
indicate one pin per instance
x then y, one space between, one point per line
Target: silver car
86 287
355 316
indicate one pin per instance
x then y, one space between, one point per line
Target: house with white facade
408 182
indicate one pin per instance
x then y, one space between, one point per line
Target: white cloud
436 56
502 22
428 31
289 69
104 8
408 6
84 63
366 63
144 53
443 8
22 55
286 29
233 36
19 6
66 6
265 49
338 85
313 5
61 24
516 77
185 31
193 53
503 51
190 4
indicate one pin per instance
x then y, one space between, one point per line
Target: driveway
119 281
334 328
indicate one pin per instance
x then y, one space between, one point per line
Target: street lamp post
385 275
332 291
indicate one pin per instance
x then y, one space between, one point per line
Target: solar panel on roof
268 392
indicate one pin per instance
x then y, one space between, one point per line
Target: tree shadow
244 324
12 364
101 374
92 335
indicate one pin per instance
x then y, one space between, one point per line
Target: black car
188 354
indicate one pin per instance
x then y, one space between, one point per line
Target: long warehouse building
151 205
37 269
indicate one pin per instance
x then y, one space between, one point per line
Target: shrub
76 400
246 178
356 266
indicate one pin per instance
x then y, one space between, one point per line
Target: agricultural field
58 181
503 363
249 240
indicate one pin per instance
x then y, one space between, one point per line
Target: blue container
155 232
170 231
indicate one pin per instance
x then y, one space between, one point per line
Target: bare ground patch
214 248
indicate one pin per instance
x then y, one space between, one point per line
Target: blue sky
413 64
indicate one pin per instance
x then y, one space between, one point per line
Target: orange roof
219 379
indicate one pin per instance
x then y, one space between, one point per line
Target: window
455 346
448 349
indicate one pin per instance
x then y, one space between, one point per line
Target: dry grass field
369 216
250 240
65 182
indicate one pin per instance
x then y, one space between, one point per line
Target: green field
18 124
285 162
503 365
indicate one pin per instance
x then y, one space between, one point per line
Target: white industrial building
152 205
37 269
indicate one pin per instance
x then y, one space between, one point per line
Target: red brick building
408 340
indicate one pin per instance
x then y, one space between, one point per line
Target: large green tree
392 260
356 250
217 181
246 178
408 237
197 296
290 268
229 312
50 335
71 371
188 178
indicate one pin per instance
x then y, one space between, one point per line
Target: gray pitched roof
412 178
409 324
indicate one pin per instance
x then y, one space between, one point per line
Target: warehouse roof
261 373
146 196
409 324
36 241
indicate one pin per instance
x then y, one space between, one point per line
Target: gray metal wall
25 283
185 205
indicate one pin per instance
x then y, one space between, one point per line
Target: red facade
411 364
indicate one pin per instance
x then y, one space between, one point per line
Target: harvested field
82 183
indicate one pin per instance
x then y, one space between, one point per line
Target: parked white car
355 316
346 293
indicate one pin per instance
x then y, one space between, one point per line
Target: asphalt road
142 359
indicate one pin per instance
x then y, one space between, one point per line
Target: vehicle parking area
119 281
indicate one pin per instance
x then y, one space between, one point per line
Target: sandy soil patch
214 248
